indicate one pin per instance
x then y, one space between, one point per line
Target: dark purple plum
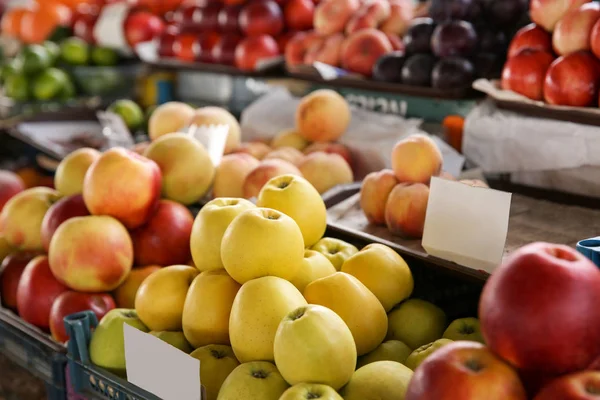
492 41
452 73
504 12
417 70
389 67
417 38
446 10
454 38
475 11
488 65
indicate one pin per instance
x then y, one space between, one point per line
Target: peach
547 13
231 174
257 150
474 183
187 170
401 13
266 170
22 217
165 238
288 154
331 148
91 254
123 185
70 173
289 138
10 185
416 159
406 208
363 48
370 15
324 171
328 52
125 294
220 116
374 193
331 16
572 32
168 118
322 116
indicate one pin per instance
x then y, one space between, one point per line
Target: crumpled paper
370 136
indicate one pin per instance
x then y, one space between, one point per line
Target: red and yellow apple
331 16
11 269
583 385
59 212
573 30
10 185
363 48
406 208
69 176
266 170
322 116
231 174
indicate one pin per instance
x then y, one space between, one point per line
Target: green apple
381 380
464 329
216 363
308 391
416 322
253 380
419 355
175 339
107 346
337 251
392 350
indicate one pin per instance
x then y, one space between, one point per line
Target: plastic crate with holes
35 351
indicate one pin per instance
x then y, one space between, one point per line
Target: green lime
36 58
68 91
50 84
104 56
53 50
75 51
12 67
17 87
132 114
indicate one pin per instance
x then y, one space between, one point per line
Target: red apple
11 269
573 31
183 17
205 44
165 239
530 37
525 73
573 80
362 49
540 310
142 27
295 50
185 46
166 41
254 49
284 39
464 370
595 39
299 14
207 18
546 13
36 292
228 19
578 386
595 365
71 302
10 185
83 27
261 17
224 51
59 212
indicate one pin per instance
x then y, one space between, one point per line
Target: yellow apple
464 329
160 298
419 355
216 363
207 308
175 339
289 138
262 242
416 322
308 391
307 337
337 251
187 170
257 310
297 198
258 380
314 266
70 173
208 229
383 271
358 307
381 380
125 294
392 350
22 216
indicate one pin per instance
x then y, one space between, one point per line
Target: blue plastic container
591 249
35 351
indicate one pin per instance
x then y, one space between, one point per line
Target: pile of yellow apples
274 310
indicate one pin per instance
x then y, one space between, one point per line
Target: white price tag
109 30
467 225
160 368
213 138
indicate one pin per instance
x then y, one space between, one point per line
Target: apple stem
260 374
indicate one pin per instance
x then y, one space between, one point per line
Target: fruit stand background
18 383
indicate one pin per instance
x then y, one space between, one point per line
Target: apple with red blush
59 212
11 269
525 72
142 26
261 17
254 49
584 385
205 43
207 18
228 19
299 14
224 50
10 185
530 37
573 80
